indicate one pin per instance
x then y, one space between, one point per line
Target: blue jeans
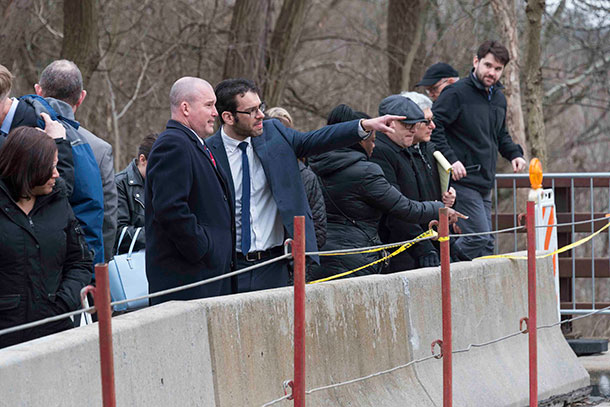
477 207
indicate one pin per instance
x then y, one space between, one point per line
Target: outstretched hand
381 123
453 216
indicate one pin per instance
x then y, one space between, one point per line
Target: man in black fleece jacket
470 118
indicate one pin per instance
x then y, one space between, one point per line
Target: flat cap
401 106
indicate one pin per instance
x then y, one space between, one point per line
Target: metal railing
581 201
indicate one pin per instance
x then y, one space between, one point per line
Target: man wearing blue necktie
260 158
190 231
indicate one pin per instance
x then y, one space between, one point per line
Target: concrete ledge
237 350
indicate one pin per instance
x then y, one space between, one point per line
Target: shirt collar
230 143
8 120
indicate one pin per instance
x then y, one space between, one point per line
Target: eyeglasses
253 111
407 126
434 89
426 123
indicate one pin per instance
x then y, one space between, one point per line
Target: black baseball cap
437 72
401 106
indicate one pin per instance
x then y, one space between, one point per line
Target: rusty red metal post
447 346
531 303
298 254
104 315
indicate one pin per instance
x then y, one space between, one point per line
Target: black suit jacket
190 227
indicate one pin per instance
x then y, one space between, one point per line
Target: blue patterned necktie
245 199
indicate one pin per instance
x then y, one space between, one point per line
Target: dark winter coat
130 214
426 171
190 223
471 127
356 194
398 165
316 202
44 263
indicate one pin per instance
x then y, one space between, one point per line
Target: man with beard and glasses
260 158
470 119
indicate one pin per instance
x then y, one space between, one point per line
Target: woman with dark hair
357 195
130 189
44 259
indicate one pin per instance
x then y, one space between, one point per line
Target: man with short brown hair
470 118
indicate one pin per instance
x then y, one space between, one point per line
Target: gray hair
420 99
62 80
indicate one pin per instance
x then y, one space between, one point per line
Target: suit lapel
217 147
259 146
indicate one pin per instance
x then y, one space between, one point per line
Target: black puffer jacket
355 188
130 214
316 202
44 263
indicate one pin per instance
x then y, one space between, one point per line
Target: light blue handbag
127 275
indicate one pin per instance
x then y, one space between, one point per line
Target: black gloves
430 259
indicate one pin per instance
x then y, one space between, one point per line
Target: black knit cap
437 72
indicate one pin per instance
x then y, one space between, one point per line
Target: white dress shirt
266 227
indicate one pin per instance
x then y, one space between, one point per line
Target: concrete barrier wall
237 350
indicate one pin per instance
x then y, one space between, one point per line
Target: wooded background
310 55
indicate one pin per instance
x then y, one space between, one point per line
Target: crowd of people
217 190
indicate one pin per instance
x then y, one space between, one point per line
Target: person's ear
38 90
228 118
83 95
142 159
185 108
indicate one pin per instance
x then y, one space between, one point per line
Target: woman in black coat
357 194
44 259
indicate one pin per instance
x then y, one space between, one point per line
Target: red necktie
207 150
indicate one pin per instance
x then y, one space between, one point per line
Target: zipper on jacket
31 222
80 240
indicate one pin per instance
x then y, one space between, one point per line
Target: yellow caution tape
443 239
560 250
402 248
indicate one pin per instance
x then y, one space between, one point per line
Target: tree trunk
404 32
504 12
533 81
12 38
80 43
413 67
247 40
284 41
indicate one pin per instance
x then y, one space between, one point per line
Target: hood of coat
61 108
336 160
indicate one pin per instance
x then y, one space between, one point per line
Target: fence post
104 315
447 347
298 254
535 175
